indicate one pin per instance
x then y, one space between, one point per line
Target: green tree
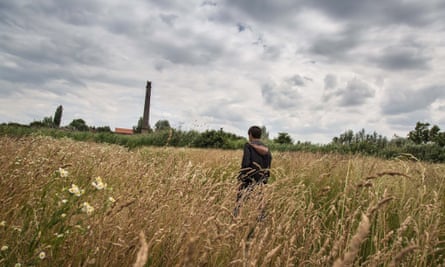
138 127
347 137
283 138
440 139
79 125
48 122
420 134
162 125
360 136
211 138
434 133
37 124
58 116
103 129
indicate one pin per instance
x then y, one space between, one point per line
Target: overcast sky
311 68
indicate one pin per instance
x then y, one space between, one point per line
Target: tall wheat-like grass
173 207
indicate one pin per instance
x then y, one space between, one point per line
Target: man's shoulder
260 148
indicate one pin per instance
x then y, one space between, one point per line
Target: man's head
254 132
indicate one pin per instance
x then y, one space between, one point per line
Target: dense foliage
423 143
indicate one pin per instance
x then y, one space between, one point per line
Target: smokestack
145 118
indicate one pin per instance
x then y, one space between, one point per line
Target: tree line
424 142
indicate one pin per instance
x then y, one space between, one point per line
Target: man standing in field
255 166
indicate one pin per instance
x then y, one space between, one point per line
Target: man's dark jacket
264 161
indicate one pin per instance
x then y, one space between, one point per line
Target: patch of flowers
63 173
98 183
87 208
75 190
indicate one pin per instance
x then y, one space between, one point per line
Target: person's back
255 166
256 157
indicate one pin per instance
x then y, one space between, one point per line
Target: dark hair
255 131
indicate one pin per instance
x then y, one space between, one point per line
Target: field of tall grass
71 203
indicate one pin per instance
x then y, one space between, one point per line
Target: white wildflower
63 173
98 183
63 215
58 235
42 255
18 265
111 199
75 190
2 223
87 208
4 248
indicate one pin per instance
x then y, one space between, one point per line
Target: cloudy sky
311 68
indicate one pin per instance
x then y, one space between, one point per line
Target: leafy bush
372 145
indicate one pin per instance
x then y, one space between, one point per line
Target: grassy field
69 203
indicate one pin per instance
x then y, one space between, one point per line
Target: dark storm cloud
24 14
172 4
403 100
227 113
125 25
46 42
82 12
54 41
200 51
355 12
264 10
392 12
37 62
406 122
356 17
168 19
369 13
34 75
284 95
341 8
60 49
4 92
336 46
208 3
355 93
402 58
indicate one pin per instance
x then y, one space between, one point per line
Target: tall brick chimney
146 117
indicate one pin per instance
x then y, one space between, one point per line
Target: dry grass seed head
142 255
355 243
398 258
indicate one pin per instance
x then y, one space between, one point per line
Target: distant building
123 131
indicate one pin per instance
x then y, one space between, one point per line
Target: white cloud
406 100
